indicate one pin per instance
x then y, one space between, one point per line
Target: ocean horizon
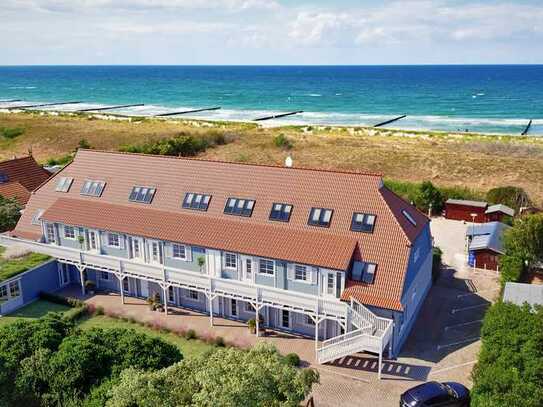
497 99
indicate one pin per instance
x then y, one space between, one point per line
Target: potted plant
151 303
201 260
90 287
252 326
81 241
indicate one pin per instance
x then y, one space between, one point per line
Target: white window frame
179 246
308 321
108 239
234 311
36 218
64 184
92 232
17 285
172 295
306 271
51 232
62 273
4 293
66 228
260 267
248 307
282 311
104 273
152 259
226 261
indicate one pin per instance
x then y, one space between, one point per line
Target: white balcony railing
189 279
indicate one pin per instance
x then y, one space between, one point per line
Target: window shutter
290 271
168 249
314 275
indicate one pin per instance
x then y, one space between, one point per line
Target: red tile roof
25 172
15 190
298 246
344 192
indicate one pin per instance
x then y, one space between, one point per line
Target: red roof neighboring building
19 177
397 223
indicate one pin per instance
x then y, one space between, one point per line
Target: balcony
241 290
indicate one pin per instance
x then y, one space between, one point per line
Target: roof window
142 194
64 184
409 217
364 272
196 201
320 217
281 212
239 207
362 222
92 188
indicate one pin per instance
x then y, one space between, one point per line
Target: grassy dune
476 161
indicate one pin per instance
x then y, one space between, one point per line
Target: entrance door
136 248
233 308
144 288
328 284
92 241
248 269
126 285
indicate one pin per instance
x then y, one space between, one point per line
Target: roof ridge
353 172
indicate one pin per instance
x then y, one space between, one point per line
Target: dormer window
3 177
142 194
280 212
364 272
363 222
196 201
320 217
92 188
239 207
64 184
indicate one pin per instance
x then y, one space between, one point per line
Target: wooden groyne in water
277 116
97 109
10 101
527 129
42 105
187 111
390 121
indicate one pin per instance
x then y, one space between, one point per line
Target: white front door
93 241
247 269
155 252
328 283
136 248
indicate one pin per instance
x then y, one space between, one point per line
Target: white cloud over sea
270 31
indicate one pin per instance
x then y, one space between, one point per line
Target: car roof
426 391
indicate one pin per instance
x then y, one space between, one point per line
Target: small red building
469 211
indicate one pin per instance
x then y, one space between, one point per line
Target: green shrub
83 143
282 141
99 310
219 341
509 371
292 359
10 212
75 314
11 132
190 334
63 160
59 299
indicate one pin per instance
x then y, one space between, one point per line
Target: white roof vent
288 161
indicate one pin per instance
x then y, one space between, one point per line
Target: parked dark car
432 394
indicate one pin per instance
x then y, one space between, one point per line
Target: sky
270 32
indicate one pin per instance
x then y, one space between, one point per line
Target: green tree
428 196
10 212
225 377
525 239
509 371
514 197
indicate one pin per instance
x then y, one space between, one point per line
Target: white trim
64 232
260 269
236 257
108 244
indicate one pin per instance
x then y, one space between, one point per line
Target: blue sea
493 98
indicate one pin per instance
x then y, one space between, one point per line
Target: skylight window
281 212
142 194
3 177
364 272
64 184
320 217
239 207
362 222
92 188
196 201
409 217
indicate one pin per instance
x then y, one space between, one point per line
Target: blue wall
42 278
423 244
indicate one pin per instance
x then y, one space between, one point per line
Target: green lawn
189 348
12 267
32 311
